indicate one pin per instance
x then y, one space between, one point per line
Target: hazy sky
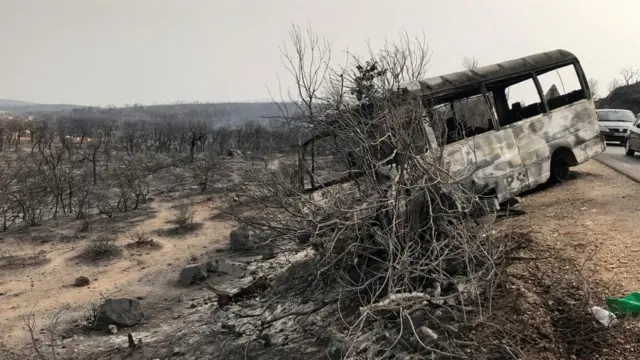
99 52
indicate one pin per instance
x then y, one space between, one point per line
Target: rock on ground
193 273
240 240
82 281
222 266
121 312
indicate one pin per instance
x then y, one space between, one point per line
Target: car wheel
559 170
628 150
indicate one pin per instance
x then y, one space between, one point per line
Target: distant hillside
7 102
17 106
233 114
38 108
624 97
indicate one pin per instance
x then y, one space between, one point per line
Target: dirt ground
590 219
142 273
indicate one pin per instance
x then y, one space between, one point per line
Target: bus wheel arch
561 160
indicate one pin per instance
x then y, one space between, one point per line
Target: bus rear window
561 86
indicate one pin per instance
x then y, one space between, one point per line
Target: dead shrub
106 208
49 349
393 235
101 247
91 314
34 257
142 240
203 171
183 218
403 261
86 222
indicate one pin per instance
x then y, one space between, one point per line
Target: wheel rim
561 171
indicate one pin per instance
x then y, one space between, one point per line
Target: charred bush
393 234
183 218
101 247
142 240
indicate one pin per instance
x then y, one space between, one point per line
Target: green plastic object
629 304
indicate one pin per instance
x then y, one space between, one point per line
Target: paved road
615 158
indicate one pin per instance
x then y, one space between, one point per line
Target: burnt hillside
624 97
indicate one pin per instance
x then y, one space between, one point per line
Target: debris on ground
113 329
222 266
132 343
603 316
257 286
629 305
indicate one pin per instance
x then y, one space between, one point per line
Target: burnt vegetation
139 240
33 257
623 91
401 264
89 163
101 248
400 252
183 218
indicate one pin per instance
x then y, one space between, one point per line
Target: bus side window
561 86
524 99
462 118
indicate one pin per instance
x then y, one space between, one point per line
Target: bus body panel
517 157
573 127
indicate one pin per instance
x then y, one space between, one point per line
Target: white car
632 142
615 123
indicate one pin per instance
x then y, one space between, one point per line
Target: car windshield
616 115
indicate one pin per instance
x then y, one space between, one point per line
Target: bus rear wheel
559 170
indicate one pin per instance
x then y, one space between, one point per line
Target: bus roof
441 85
